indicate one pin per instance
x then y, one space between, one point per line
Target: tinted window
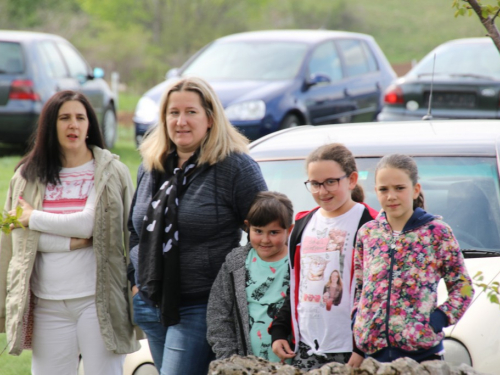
51 60
325 60
11 58
467 58
464 190
356 63
76 65
249 60
372 62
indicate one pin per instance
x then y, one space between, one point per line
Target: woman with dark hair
63 277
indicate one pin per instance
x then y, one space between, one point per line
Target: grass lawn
9 157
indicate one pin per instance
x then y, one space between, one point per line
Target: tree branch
495 16
488 24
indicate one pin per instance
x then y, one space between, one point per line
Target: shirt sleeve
78 224
51 243
248 181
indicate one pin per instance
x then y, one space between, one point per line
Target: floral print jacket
406 270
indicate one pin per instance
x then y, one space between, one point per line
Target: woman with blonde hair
195 187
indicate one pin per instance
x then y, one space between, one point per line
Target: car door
363 90
325 101
80 71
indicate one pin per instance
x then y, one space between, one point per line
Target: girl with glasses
321 244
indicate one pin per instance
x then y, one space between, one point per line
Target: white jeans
64 329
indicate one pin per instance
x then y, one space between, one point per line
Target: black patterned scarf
159 256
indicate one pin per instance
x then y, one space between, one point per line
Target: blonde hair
221 139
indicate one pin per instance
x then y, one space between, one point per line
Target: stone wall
251 365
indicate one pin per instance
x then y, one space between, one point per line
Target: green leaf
494 299
466 290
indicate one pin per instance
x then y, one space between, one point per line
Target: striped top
60 273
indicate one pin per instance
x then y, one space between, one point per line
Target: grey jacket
18 251
227 311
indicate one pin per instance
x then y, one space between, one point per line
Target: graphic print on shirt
325 288
323 258
259 292
332 293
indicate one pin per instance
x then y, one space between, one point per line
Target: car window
463 190
465 58
372 62
356 62
257 60
11 58
325 60
77 66
51 60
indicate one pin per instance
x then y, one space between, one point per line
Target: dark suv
34 66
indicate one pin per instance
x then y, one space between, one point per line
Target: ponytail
357 194
419 201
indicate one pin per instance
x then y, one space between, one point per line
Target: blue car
272 80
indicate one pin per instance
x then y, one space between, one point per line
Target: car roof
482 40
305 36
20 36
415 138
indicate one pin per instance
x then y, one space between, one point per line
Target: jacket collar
417 219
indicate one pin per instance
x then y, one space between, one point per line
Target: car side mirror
98 73
172 73
317 78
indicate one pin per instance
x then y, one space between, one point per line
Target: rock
251 365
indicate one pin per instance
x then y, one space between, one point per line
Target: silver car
459 171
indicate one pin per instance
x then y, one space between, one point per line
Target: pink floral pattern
420 258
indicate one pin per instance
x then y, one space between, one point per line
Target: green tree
487 14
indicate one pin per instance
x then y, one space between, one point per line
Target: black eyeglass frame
337 180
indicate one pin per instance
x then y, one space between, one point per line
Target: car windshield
463 190
258 60
469 59
11 58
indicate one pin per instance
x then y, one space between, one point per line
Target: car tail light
394 95
22 89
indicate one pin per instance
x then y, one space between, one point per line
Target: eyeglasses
330 184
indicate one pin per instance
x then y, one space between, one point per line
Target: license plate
451 100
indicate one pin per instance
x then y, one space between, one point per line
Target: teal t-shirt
266 286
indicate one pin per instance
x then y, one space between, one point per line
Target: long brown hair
44 160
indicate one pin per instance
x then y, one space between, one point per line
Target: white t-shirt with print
326 292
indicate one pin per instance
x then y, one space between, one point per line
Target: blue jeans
147 318
186 348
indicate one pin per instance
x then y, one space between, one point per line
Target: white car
137 363
459 171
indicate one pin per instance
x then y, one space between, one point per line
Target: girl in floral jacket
399 259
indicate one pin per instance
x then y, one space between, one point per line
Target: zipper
238 317
392 249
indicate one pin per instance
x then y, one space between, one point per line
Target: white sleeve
51 243
78 224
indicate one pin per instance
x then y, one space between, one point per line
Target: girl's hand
355 360
80 243
282 349
26 214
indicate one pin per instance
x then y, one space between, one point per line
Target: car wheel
290 121
109 126
146 369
